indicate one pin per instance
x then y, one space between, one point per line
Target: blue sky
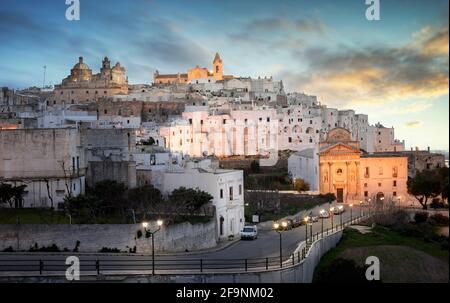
395 69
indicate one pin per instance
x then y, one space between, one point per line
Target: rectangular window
221 193
78 164
231 193
73 164
366 193
366 174
394 194
290 139
240 189
394 183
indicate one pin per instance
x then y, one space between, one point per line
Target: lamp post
306 229
351 213
276 226
321 214
340 208
152 234
331 217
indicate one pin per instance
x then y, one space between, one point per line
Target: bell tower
217 67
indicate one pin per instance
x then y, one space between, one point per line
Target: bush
51 248
300 185
254 167
8 249
439 220
77 245
420 217
109 250
437 203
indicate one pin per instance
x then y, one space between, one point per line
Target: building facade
352 175
81 86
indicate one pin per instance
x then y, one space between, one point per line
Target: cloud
413 124
376 75
415 107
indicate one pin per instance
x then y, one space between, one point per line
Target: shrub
51 248
77 245
8 249
109 250
254 167
139 234
437 203
439 220
301 185
420 217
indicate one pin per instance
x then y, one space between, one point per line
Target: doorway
340 195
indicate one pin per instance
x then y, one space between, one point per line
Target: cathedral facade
82 86
196 73
353 175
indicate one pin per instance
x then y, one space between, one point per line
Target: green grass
380 235
32 216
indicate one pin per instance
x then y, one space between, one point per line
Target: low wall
93 237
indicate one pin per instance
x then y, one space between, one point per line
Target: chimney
417 148
428 148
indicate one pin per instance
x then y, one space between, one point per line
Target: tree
301 185
424 185
110 195
144 198
17 195
13 195
254 167
190 199
443 174
6 193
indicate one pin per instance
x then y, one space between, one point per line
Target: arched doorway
380 198
221 220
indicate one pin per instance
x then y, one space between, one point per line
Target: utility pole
43 82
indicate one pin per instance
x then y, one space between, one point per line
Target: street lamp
159 223
276 226
331 216
340 207
306 228
351 213
321 212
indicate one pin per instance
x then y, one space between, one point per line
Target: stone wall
93 237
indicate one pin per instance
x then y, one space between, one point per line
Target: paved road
266 246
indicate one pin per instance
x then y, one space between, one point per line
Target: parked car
249 232
313 219
297 221
339 210
284 224
324 214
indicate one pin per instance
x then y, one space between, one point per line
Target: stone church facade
353 175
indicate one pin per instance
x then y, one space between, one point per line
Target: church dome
81 64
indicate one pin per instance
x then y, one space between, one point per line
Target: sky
396 69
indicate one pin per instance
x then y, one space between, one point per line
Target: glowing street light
331 217
351 213
159 223
306 228
276 227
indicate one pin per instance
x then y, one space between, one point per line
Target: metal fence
162 265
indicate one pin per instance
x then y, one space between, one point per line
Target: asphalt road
256 251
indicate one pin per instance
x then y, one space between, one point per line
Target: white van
249 232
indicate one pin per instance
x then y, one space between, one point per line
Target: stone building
58 162
352 175
419 160
82 86
193 74
50 162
